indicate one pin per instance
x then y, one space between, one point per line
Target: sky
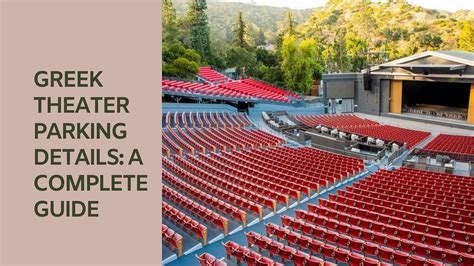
448 5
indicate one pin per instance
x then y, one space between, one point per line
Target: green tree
191 55
260 38
241 33
176 50
169 22
243 60
288 30
199 28
181 67
179 61
266 57
466 37
298 63
430 41
356 48
335 55
290 24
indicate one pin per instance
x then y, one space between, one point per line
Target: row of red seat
170 144
390 190
204 119
174 137
188 224
205 198
458 218
397 234
232 89
196 209
237 166
237 186
341 247
201 140
206 259
420 188
172 239
402 223
255 92
248 164
199 147
403 216
457 147
271 187
316 166
267 87
210 144
285 252
357 235
353 124
333 121
354 230
435 175
456 188
390 133
402 226
224 194
202 89
310 161
244 254
201 136
211 75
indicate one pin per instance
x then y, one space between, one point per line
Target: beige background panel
121 38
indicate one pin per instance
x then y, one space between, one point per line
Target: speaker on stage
367 82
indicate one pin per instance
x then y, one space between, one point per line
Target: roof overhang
460 63
451 67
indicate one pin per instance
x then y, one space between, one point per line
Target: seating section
404 217
206 259
307 163
172 239
287 253
250 181
188 224
390 133
211 75
235 90
270 88
244 254
205 119
239 87
227 195
211 132
205 140
350 123
334 121
207 215
457 147
202 197
202 89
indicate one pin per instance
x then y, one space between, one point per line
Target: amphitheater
256 175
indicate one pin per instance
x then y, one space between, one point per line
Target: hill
223 17
394 26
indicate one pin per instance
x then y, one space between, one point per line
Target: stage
454 123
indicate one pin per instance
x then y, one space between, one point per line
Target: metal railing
437 168
365 157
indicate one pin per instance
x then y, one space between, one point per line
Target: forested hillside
395 27
266 20
292 48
